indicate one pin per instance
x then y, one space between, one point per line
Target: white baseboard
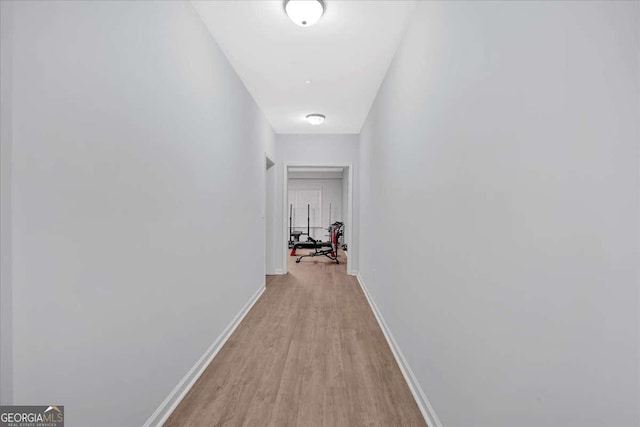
278 271
180 390
420 397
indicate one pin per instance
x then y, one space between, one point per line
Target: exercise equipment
311 243
328 249
294 236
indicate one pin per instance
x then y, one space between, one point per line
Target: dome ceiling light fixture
315 119
304 12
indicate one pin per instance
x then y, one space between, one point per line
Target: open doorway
269 217
316 196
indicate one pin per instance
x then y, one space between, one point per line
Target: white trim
285 217
349 224
420 397
169 404
278 271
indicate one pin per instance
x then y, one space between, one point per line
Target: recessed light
307 82
304 12
315 119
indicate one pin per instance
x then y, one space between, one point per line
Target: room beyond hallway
309 353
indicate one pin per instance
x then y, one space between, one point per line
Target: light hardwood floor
309 353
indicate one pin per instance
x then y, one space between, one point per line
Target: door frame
349 216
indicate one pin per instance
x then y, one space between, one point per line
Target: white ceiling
345 55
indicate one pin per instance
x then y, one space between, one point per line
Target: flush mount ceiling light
304 12
315 119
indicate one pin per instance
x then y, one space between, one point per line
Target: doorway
311 202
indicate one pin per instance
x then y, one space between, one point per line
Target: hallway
159 160
309 353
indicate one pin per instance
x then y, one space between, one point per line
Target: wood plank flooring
309 353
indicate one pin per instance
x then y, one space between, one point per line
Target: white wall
6 340
501 154
331 197
271 220
137 153
318 149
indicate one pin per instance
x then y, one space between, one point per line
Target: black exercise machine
294 236
311 243
328 249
